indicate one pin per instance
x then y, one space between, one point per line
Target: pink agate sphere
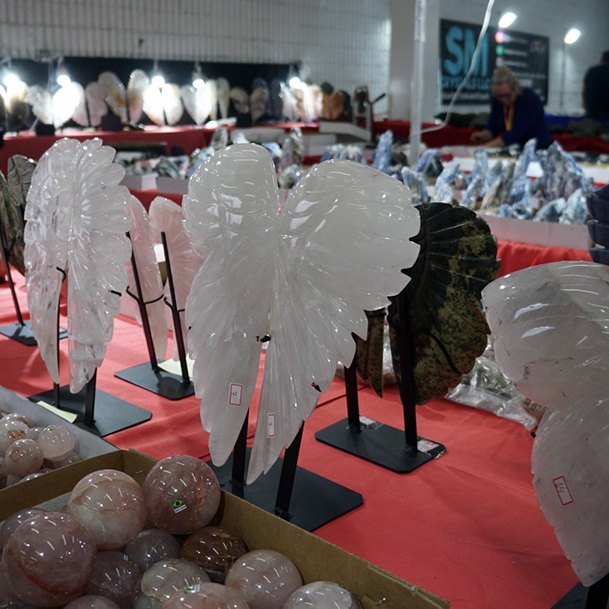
111 505
48 559
164 580
182 494
13 521
150 546
114 577
264 578
207 596
11 430
321 595
56 442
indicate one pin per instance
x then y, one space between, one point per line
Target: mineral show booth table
465 526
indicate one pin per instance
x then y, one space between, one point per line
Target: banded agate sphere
111 504
207 596
214 549
48 559
182 494
321 595
264 578
164 580
11 430
150 546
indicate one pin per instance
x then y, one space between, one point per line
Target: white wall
344 42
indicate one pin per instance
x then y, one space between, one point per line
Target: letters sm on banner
526 54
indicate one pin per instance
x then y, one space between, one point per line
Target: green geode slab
441 305
13 193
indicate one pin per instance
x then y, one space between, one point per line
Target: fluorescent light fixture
507 19
572 35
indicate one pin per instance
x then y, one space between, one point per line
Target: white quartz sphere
56 442
322 595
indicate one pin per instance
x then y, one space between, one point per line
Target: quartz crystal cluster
122 546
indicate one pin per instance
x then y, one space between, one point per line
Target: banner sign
526 54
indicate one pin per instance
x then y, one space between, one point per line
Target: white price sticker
270 425
234 394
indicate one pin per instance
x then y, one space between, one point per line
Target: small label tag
562 490
369 423
426 445
234 395
270 425
177 505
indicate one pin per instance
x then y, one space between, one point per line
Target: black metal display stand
401 451
580 597
290 492
22 330
150 375
96 411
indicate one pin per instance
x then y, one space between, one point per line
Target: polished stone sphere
56 442
48 559
322 595
207 596
23 457
182 494
110 503
11 430
164 580
14 520
264 578
152 545
114 577
214 549
91 601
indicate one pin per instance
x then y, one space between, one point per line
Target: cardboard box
88 444
143 182
172 186
315 558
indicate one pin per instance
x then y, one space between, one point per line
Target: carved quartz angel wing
149 275
199 103
115 94
223 88
163 106
76 224
168 217
302 277
138 81
551 336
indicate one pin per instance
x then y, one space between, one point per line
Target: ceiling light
198 81
507 19
157 79
61 74
572 35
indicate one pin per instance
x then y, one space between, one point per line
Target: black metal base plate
578 598
160 382
111 414
315 501
23 333
380 444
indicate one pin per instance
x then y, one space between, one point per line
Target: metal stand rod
89 415
143 310
175 312
288 473
352 397
239 452
406 385
9 277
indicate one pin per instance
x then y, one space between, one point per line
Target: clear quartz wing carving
303 276
551 334
149 275
76 224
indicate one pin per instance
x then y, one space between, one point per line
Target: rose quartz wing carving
304 277
551 334
76 223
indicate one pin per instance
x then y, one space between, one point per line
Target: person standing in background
595 92
517 114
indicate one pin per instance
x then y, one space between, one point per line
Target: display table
465 526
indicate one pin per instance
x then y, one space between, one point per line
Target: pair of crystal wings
302 275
